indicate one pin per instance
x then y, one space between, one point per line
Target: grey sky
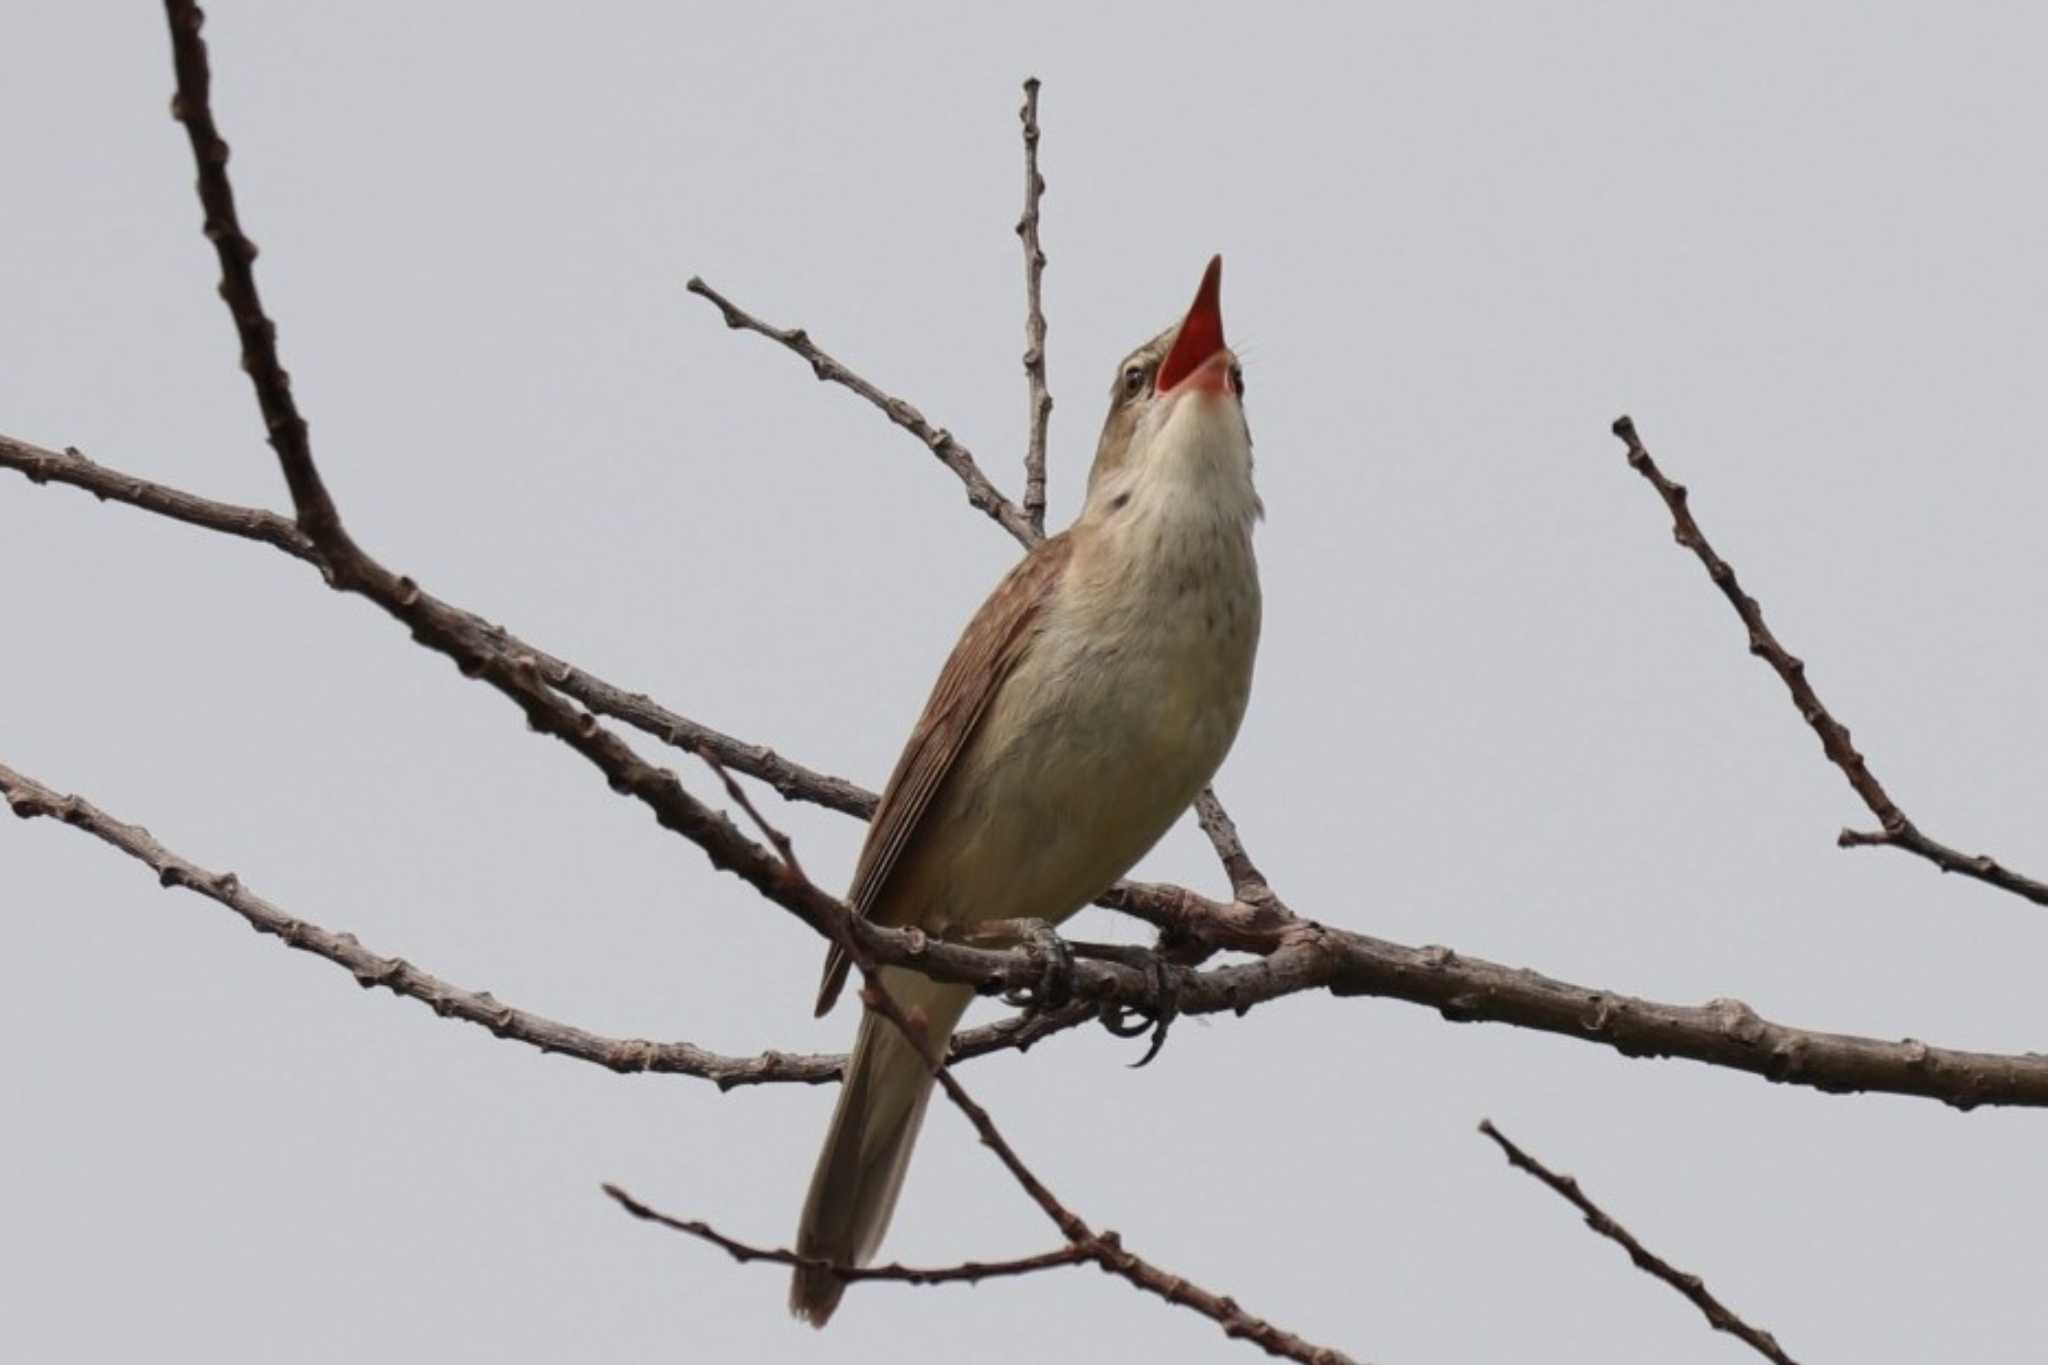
1495 708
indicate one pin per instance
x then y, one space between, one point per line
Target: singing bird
1085 706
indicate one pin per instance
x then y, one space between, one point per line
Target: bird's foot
1055 984
1132 1021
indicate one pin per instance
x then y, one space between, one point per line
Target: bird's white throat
1190 471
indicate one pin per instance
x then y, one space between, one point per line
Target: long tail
867 1148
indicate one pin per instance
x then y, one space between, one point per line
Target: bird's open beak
1201 334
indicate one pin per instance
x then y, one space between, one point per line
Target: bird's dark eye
1134 379
1237 380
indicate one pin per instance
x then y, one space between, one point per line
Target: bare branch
956 457
1718 1314
71 467
790 780
1302 956
1106 1249
1034 316
29 799
1897 830
967 1272
1305 956
476 650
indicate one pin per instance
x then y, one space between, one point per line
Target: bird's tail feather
867 1148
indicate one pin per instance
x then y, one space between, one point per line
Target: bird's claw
1055 984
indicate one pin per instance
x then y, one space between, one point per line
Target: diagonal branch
791 780
192 106
1694 1289
29 799
474 648
1034 316
1896 831
981 493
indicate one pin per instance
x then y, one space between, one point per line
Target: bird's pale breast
1120 712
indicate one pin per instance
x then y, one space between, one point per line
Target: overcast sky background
1495 709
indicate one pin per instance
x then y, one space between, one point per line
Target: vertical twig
1034 315
1247 883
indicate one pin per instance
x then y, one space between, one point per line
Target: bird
1086 705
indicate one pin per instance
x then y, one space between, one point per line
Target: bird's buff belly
1082 790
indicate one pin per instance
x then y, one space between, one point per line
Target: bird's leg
1055 986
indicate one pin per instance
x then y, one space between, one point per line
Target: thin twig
29 799
1247 883
1106 1249
1897 831
1034 316
192 106
967 1272
782 843
981 493
1718 1314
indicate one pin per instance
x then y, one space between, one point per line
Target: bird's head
1182 390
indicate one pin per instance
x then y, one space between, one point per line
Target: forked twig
981 493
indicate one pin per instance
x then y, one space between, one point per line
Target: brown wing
988 649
